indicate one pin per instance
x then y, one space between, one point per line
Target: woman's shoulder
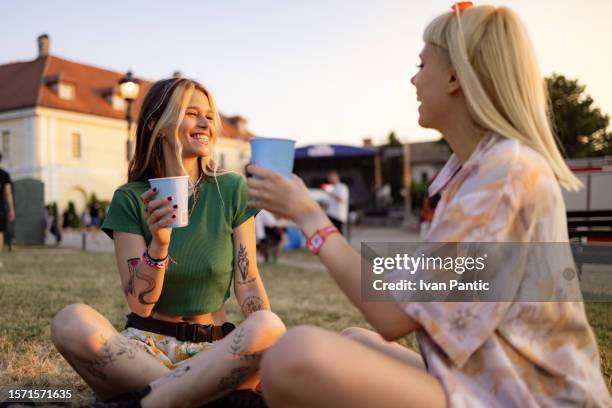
513 158
132 188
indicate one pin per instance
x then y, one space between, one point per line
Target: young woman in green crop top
177 348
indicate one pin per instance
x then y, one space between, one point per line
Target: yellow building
63 123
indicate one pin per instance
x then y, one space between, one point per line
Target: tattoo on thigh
243 262
176 373
252 304
235 378
134 265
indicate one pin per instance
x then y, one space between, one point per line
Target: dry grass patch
36 283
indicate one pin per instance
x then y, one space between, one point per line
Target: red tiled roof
27 84
19 84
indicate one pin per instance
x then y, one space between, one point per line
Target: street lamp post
128 89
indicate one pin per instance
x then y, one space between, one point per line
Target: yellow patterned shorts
168 350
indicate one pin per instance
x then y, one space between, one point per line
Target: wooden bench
591 236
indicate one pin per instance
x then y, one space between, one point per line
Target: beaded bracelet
154 263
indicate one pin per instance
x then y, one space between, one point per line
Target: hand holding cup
160 213
283 196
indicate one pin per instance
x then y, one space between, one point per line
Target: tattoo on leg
243 262
237 349
252 304
235 345
176 373
134 265
235 378
112 349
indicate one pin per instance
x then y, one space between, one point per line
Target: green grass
36 283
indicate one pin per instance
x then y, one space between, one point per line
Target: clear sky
331 71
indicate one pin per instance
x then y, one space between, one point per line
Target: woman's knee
361 335
299 353
73 327
266 324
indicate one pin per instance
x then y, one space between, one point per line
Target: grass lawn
37 282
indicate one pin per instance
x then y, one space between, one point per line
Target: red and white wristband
316 241
155 263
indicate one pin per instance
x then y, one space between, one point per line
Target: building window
6 144
76 145
65 91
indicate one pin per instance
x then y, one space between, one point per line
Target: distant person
270 236
338 203
66 219
94 215
94 220
479 85
7 208
178 348
85 220
53 225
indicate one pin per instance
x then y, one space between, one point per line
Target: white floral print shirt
506 354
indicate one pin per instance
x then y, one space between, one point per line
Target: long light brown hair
161 113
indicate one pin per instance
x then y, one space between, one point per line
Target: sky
330 71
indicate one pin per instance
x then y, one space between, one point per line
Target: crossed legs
111 364
310 367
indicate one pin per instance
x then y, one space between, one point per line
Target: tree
393 140
580 127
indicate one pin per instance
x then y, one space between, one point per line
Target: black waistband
196 333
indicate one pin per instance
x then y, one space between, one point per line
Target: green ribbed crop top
200 280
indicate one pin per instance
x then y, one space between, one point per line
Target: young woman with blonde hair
177 348
480 86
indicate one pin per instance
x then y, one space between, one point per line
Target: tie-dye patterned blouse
506 354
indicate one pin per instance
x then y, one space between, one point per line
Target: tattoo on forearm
243 262
252 304
235 378
112 349
134 265
176 373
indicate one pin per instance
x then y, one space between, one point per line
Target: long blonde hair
499 74
161 113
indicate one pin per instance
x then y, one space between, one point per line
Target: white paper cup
177 188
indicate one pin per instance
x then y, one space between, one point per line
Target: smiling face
434 86
197 128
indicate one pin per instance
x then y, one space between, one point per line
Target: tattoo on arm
235 378
252 304
132 268
243 262
176 373
134 265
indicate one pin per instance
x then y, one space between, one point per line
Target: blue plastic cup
177 188
273 154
